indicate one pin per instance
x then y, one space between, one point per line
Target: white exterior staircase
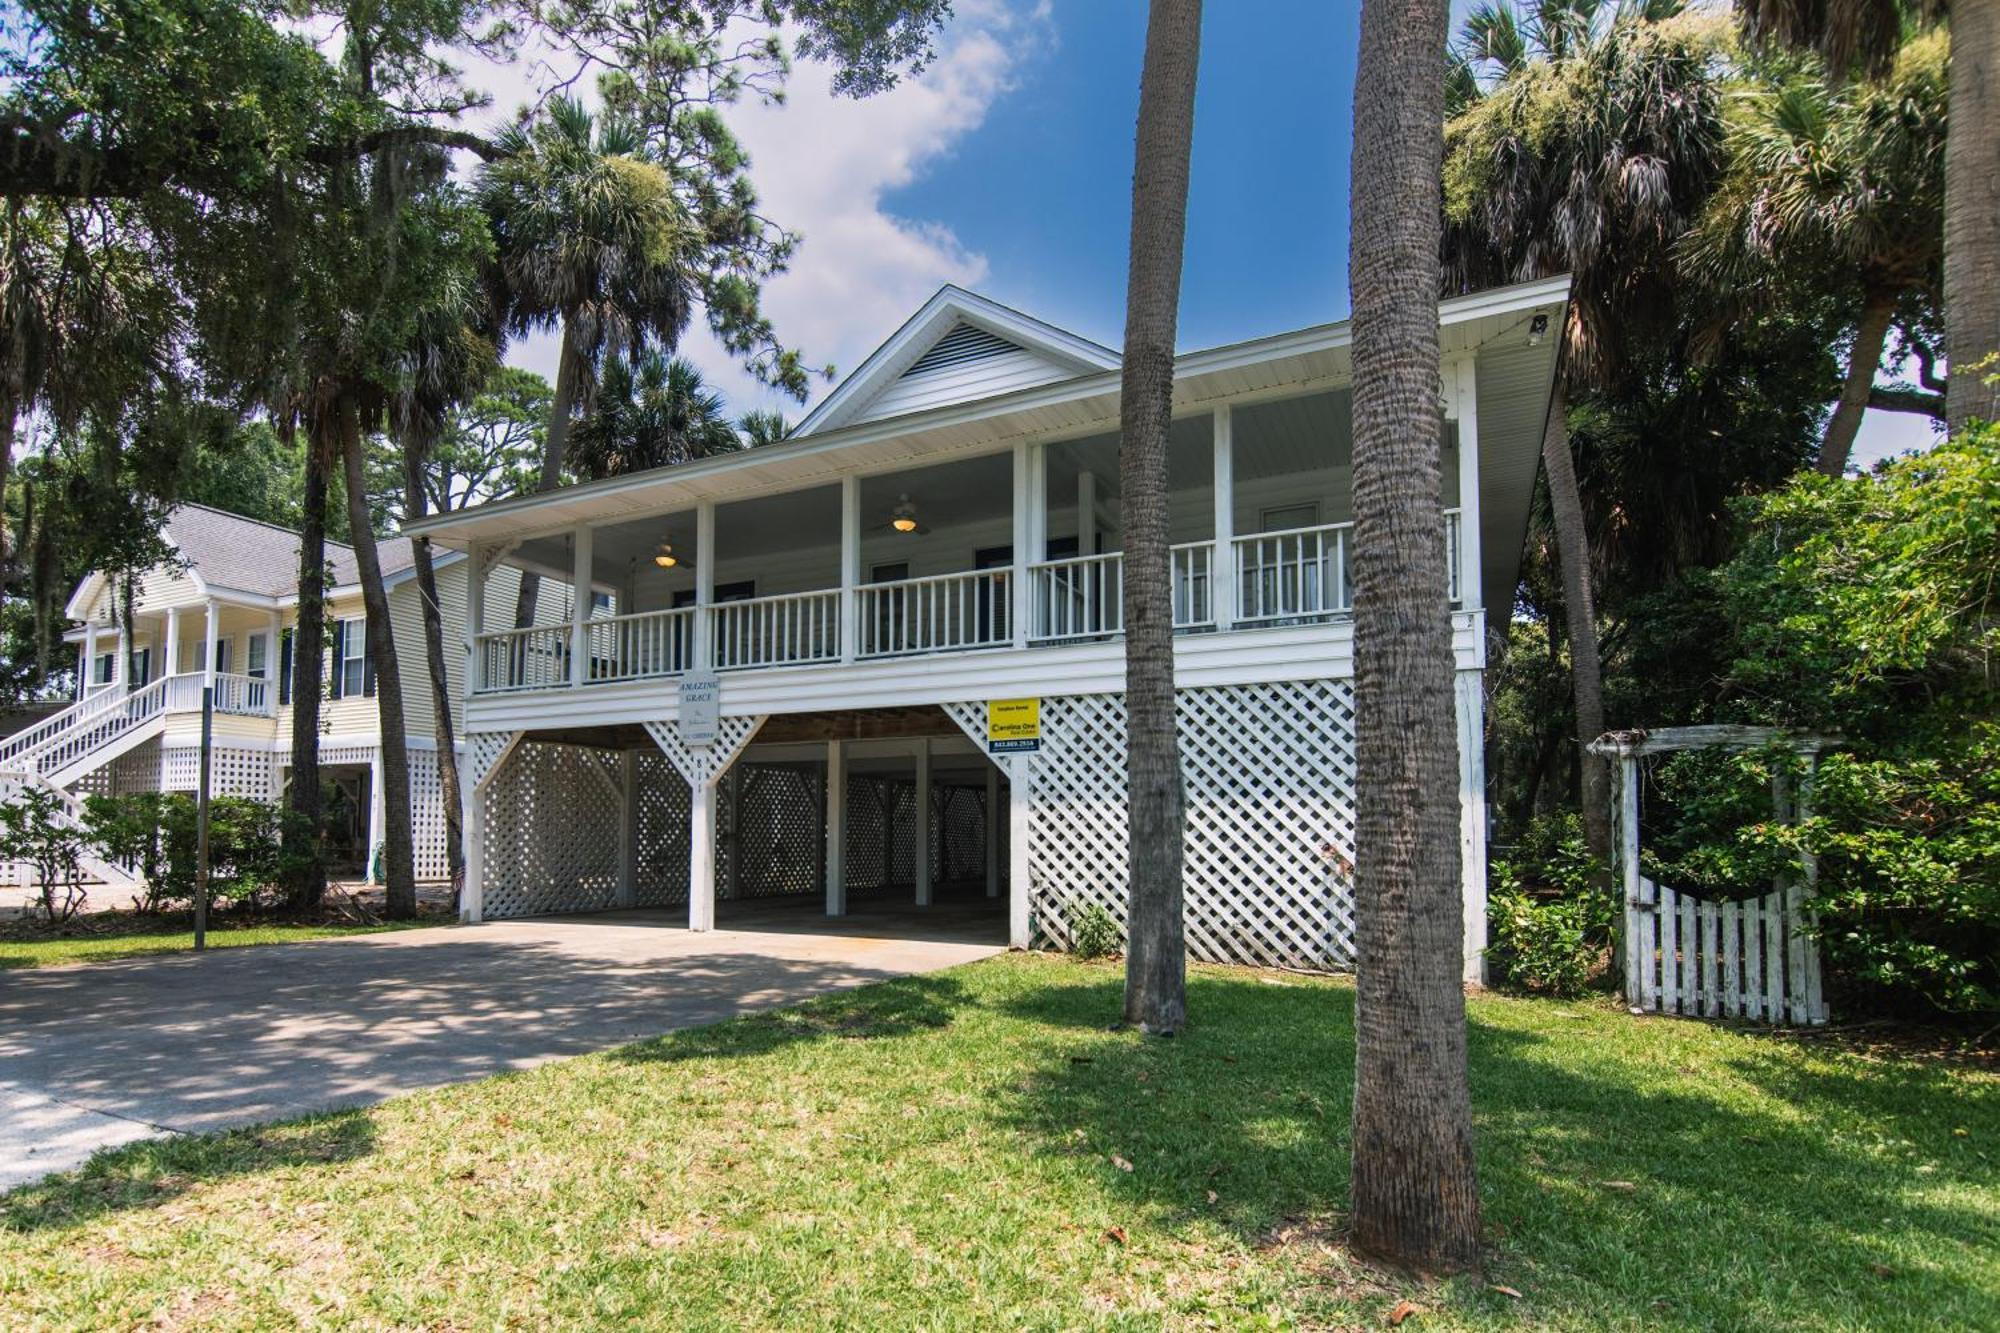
70 814
86 735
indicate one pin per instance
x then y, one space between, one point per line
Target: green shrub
34 832
1092 933
1549 916
157 834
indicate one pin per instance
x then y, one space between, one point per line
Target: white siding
961 384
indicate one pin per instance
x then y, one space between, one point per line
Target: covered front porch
172 654
1007 550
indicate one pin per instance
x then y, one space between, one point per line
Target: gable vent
963 344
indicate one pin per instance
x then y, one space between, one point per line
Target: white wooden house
221 615
777 673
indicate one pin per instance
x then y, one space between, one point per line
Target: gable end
963 344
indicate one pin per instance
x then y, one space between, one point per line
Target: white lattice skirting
1269 773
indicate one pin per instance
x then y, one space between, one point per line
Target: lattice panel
660 865
427 816
702 764
780 830
552 820
1269 773
958 834
868 854
483 752
137 770
233 771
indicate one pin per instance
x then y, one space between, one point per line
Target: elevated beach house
880 661
220 615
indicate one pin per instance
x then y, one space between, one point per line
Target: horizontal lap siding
962 383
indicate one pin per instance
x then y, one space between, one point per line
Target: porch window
258 648
102 670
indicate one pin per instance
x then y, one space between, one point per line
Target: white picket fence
1750 959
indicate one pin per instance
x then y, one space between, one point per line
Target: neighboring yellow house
222 616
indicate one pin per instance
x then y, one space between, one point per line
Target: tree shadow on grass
898 1008
153 1172
1621 1183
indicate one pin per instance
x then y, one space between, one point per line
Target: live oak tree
1156 950
1415 1196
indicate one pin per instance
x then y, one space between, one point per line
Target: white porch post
1086 513
701 855
274 631
1466 402
850 565
992 830
628 828
378 815
121 670
471 898
1020 781
170 651
1024 531
1222 565
1471 708
83 676
579 606
836 828
475 623
704 585
923 840
210 637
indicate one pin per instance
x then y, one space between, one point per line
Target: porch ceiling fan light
664 557
904 517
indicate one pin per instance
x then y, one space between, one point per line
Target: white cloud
823 165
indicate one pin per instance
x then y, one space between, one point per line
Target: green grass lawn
21 950
975 1149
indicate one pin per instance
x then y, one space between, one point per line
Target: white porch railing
776 631
244 696
936 614
642 645
1300 573
536 658
98 721
1083 597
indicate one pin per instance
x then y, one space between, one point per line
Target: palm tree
590 238
1156 954
1863 36
763 427
1586 140
1841 183
448 363
1415 1198
653 414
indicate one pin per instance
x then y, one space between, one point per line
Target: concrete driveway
104 1053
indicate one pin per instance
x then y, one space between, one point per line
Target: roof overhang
1273 366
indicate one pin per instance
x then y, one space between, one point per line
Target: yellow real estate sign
1013 726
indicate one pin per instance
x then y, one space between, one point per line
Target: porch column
1466 402
1471 705
704 584
992 830
1222 565
1020 778
471 896
701 855
579 606
628 828
836 828
122 669
1086 513
850 565
209 640
83 676
922 857
378 814
475 620
1024 530
170 651
274 631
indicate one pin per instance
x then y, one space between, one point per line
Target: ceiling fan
666 557
903 518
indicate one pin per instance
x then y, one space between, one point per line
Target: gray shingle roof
244 554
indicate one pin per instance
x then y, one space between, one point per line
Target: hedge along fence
1751 958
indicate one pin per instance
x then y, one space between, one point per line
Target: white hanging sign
701 708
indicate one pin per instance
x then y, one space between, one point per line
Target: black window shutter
285 667
339 655
367 660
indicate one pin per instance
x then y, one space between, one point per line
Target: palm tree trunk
8 412
1972 215
1415 1197
1871 333
399 869
1580 617
415 501
1156 953
304 844
569 375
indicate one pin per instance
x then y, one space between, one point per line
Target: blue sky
1007 168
